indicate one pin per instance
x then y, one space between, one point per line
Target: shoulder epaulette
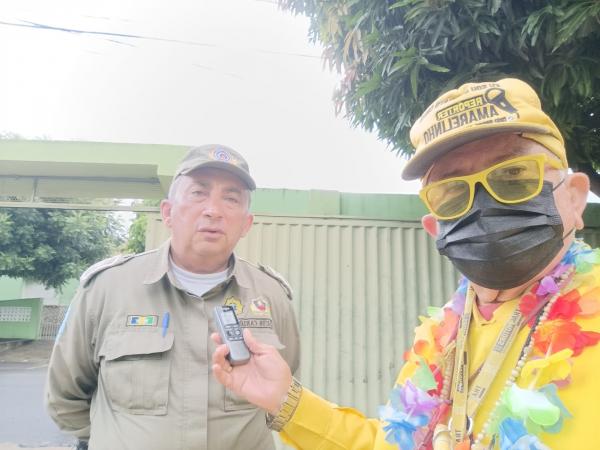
95 269
279 278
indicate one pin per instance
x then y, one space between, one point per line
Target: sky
189 72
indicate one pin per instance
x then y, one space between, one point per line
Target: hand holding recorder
264 380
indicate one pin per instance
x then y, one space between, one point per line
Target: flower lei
525 408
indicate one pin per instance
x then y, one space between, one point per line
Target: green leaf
414 80
495 7
437 31
401 4
369 86
535 72
436 68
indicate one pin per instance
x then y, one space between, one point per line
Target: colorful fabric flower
537 411
424 342
532 407
425 349
529 305
547 286
585 261
457 302
589 303
408 369
541 371
571 296
435 312
439 379
560 334
401 426
414 400
560 269
564 308
551 393
445 332
408 409
513 436
423 377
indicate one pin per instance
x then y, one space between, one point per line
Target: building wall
359 287
360 282
11 288
20 319
14 288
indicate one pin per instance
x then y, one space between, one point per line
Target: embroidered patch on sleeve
260 307
236 303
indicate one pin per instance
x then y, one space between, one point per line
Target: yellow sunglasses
512 181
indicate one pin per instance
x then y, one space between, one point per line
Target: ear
165 211
430 224
247 224
578 185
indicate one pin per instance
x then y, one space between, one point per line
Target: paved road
23 419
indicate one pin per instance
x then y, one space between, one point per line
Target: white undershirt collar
197 283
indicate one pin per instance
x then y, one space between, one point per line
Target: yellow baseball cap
477 110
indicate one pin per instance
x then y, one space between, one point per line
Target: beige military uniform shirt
123 378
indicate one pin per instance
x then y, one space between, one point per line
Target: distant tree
52 246
398 56
136 243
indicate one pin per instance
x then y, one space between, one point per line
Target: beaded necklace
422 401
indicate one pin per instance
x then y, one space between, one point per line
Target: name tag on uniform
142 321
256 323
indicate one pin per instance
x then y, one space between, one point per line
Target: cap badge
220 154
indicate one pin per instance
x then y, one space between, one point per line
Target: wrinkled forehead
481 154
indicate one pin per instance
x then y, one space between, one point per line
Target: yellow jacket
320 425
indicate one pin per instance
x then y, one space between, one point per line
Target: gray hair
174 188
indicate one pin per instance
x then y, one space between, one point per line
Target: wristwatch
288 407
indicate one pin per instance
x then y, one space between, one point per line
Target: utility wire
39 26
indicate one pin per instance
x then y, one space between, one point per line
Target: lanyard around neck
466 400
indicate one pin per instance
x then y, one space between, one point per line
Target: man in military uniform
131 365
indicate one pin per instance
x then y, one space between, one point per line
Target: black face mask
502 246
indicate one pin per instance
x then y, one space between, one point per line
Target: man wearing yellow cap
511 361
